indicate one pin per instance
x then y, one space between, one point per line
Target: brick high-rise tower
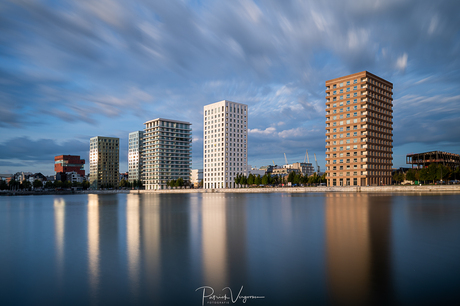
359 130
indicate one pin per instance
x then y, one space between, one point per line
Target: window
348 82
355 94
355 88
334 92
341 90
334 86
355 81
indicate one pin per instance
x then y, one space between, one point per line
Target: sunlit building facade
225 142
104 162
135 146
166 153
69 163
359 130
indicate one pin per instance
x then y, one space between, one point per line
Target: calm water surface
290 249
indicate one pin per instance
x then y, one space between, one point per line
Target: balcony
364 80
364 106
364 140
363 93
364 146
364 133
364 153
364 114
364 100
364 166
364 86
364 127
364 172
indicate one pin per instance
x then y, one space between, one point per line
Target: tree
297 178
124 183
398 177
13 184
85 185
411 175
258 180
266 179
251 179
237 179
38 184
26 184
3 185
442 172
291 177
179 182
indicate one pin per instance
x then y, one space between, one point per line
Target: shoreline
320 189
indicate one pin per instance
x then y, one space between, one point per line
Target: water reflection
133 241
214 241
59 229
93 243
357 234
151 240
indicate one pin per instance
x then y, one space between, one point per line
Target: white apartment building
225 143
135 145
167 152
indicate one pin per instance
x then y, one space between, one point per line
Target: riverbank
366 189
384 189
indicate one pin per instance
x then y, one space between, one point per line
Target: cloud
401 63
110 65
41 149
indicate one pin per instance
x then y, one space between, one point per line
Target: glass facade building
135 146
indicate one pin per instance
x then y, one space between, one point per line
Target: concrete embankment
367 189
384 189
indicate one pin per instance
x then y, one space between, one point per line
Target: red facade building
69 163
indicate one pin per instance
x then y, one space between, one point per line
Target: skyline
71 71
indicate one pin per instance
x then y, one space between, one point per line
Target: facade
104 160
225 143
69 163
359 130
255 171
306 169
196 177
167 152
423 160
135 146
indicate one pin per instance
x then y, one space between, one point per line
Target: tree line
267 179
27 185
432 173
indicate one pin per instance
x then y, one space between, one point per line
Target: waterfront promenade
366 189
384 189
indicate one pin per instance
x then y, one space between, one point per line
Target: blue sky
71 70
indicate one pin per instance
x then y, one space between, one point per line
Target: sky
72 70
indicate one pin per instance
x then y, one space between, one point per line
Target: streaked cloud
72 68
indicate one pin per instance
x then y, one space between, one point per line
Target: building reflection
151 239
59 229
133 241
214 241
93 243
357 232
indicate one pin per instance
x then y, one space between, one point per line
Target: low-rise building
196 177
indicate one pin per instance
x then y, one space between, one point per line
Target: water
286 249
